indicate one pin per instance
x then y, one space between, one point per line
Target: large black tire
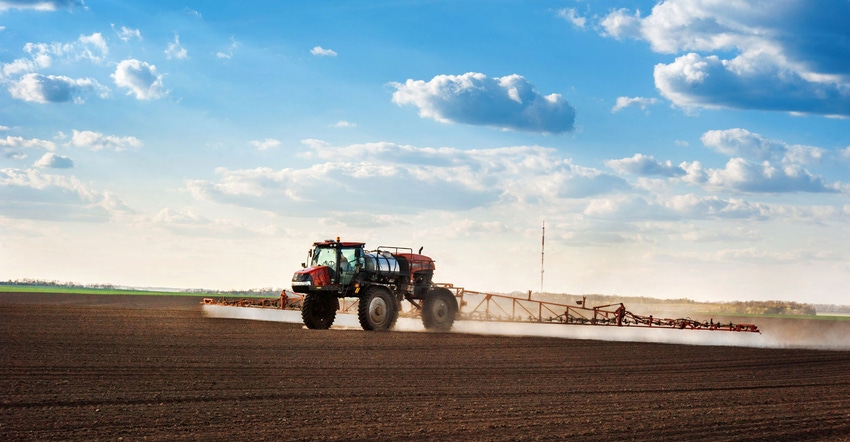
319 311
377 309
439 310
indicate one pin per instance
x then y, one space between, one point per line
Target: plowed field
106 368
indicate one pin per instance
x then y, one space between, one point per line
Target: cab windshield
324 256
342 270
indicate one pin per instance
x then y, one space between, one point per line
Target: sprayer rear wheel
377 309
319 311
439 310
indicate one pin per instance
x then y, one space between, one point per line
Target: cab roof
338 243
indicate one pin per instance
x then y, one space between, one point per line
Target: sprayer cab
333 265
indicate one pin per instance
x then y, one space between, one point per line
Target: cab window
324 256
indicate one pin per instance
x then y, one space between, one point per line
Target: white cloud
87 47
645 165
631 208
743 143
750 167
806 71
127 34
570 15
621 24
34 87
51 160
624 102
176 50
140 78
266 144
96 141
742 175
445 179
21 66
92 47
509 102
20 142
11 147
31 194
701 207
39 88
322 52
40 5
696 81
344 124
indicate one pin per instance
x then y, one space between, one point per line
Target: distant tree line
43 283
768 308
832 308
266 291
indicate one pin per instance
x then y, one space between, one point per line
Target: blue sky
692 149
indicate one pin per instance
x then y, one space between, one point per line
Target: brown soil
95 368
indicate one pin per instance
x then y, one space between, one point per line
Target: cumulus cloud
97 141
176 50
621 23
509 102
140 79
806 70
641 102
743 143
268 143
344 124
742 175
32 194
645 165
444 179
87 47
51 160
322 52
12 147
24 82
39 88
756 165
696 81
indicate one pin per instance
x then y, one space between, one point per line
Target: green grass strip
98 291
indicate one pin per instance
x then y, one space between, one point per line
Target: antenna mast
542 254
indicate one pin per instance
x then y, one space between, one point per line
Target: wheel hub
441 310
377 310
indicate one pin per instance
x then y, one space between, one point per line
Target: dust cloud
775 332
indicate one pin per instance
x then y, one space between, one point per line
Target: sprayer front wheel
319 311
439 310
377 309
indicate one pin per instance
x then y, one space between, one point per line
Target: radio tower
542 254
